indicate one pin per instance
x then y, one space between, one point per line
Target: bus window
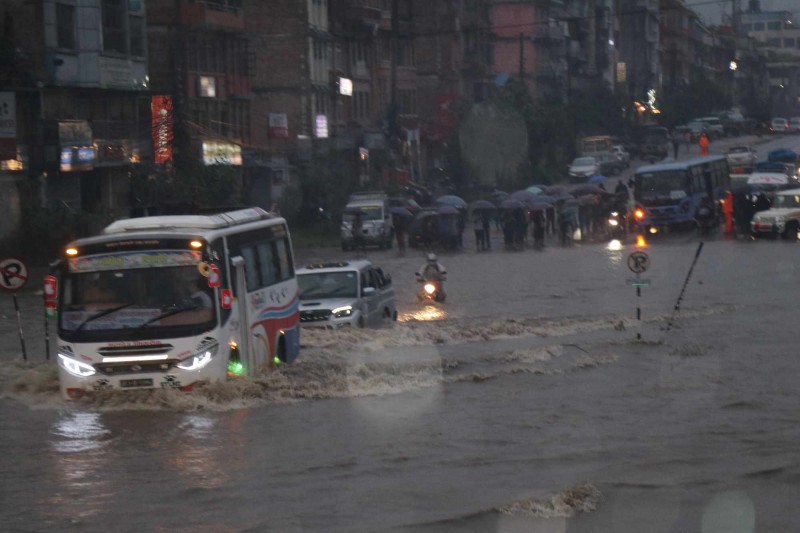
285 260
268 264
250 268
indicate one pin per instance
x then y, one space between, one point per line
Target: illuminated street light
733 66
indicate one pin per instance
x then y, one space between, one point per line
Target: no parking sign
13 274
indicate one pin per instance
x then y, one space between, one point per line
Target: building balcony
213 14
361 14
547 34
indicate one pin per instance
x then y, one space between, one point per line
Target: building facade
77 76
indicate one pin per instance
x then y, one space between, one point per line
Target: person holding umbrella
400 233
357 230
477 225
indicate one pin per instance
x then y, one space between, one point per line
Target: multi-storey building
638 66
677 22
779 34
75 74
454 68
592 34
529 43
200 60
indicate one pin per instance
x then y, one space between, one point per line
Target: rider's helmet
431 258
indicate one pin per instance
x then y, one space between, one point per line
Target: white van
376 220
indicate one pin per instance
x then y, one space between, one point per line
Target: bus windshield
328 285
663 185
121 299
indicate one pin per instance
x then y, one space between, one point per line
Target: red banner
161 107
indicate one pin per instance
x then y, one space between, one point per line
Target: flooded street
524 403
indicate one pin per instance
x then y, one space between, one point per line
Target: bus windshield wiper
171 312
101 314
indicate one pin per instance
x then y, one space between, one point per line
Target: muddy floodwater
532 400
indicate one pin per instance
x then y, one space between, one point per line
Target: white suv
345 293
783 218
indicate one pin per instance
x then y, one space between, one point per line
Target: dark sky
711 11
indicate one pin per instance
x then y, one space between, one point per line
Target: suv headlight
342 312
198 360
75 367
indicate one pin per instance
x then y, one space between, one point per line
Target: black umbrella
510 203
401 212
581 190
555 190
481 205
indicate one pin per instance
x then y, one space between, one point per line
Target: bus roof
680 165
188 222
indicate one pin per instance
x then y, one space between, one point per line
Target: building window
405 54
747 27
758 26
207 87
136 28
788 42
774 43
65 19
114 26
774 25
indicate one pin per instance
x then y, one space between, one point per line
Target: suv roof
335 266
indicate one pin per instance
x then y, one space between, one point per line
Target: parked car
583 168
741 156
714 126
794 125
782 218
622 154
345 293
610 165
696 129
779 125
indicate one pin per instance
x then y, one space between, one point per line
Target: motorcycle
616 225
431 289
705 219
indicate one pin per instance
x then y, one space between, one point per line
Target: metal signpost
638 263
14 276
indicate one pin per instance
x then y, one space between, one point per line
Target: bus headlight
198 360
341 312
75 367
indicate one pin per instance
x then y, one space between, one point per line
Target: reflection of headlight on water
427 314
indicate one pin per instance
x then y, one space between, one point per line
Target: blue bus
667 195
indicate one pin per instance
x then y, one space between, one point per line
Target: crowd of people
520 226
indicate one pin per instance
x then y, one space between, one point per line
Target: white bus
176 301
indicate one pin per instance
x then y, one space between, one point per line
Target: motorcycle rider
432 272
432 269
